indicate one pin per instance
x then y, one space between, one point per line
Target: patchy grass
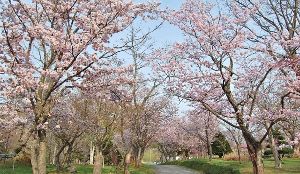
81 169
289 166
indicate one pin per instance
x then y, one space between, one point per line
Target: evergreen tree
220 145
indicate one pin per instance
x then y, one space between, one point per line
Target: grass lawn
289 166
81 169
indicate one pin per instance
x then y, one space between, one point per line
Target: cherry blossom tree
67 125
236 136
203 126
105 96
276 31
220 68
123 141
102 123
136 133
147 102
47 45
291 129
169 139
178 136
93 117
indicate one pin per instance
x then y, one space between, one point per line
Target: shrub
286 151
268 153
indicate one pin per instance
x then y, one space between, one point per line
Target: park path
171 169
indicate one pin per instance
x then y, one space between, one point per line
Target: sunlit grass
7 168
289 166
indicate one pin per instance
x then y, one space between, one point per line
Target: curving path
172 169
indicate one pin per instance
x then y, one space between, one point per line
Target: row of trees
240 61
60 77
184 140
63 86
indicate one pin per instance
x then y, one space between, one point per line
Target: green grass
84 169
81 169
145 169
289 166
7 169
206 167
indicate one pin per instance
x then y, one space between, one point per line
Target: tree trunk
274 150
57 162
98 161
114 158
38 153
54 154
42 156
34 157
174 156
254 150
57 158
127 162
238 146
103 161
297 150
139 156
210 152
163 158
92 151
208 145
69 155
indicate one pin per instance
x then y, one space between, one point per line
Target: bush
205 167
268 153
286 151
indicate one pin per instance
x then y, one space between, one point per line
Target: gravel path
170 169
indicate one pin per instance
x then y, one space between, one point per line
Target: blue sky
167 3
164 36
167 33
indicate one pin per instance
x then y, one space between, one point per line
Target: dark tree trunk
254 150
57 158
69 155
238 146
208 145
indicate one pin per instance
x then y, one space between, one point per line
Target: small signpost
4 157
